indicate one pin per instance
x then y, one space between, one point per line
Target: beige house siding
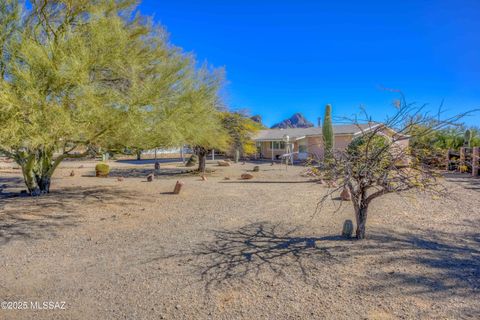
341 142
314 144
403 143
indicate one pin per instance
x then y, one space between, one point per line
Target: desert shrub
102 170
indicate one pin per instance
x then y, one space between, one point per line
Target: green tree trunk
37 168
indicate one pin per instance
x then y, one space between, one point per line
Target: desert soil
233 249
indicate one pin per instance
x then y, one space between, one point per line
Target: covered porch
274 149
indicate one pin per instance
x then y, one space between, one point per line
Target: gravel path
233 249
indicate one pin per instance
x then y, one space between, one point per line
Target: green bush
102 170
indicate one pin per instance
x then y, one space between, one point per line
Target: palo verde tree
75 73
200 110
379 161
240 129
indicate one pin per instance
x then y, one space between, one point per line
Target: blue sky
283 57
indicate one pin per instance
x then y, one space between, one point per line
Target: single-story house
308 142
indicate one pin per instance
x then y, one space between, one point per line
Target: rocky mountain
257 118
295 121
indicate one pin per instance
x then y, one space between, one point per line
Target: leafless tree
379 160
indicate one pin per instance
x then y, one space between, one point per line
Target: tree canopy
240 129
77 75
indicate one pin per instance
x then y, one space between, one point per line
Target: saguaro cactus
327 131
467 139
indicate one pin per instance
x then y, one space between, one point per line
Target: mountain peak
257 118
295 121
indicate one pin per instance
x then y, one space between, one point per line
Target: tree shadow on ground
9 183
144 172
31 218
268 182
466 180
150 161
419 261
443 262
255 248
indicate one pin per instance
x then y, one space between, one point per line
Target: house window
278 145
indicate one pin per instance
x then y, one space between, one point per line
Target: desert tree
200 110
75 75
379 160
240 129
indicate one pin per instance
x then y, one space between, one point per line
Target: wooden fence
466 160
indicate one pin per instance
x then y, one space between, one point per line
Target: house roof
299 133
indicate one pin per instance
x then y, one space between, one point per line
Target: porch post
271 148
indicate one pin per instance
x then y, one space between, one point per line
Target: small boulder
150 177
256 169
346 195
347 230
226 178
223 163
120 179
178 187
246 176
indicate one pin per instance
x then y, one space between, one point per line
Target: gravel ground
233 249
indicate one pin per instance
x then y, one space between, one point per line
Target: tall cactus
467 139
327 131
